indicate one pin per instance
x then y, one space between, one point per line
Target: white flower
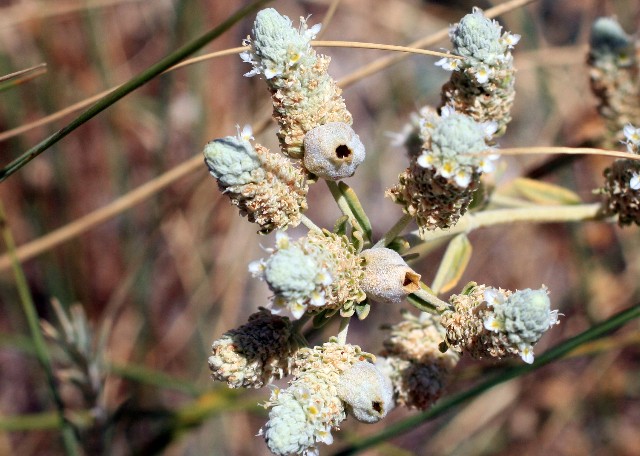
246 134
317 298
462 177
526 353
634 182
313 31
554 318
447 64
483 73
493 297
271 71
490 128
297 309
324 278
256 268
632 134
511 39
425 160
447 169
282 240
486 164
493 324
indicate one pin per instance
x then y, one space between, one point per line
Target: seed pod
387 278
367 392
333 151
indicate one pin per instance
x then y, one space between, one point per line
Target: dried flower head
438 186
256 353
411 357
304 95
622 183
333 151
265 186
309 409
486 321
613 71
320 271
387 278
482 83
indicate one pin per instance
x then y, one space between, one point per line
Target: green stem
394 231
554 354
342 203
306 221
427 302
538 214
68 435
344 330
130 86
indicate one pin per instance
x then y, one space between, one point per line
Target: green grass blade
554 354
130 86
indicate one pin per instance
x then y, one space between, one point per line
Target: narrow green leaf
455 261
130 86
544 192
444 405
340 227
356 208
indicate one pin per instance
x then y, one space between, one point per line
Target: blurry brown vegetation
170 273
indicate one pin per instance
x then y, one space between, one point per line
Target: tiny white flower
297 309
312 32
252 73
282 240
493 324
554 318
256 268
247 57
486 165
246 134
324 436
526 353
317 298
631 133
493 297
511 39
324 278
447 169
490 128
483 74
271 71
425 160
634 182
447 64
462 178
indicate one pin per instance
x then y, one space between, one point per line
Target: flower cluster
438 186
486 321
482 82
622 183
265 186
320 271
256 353
412 359
307 411
613 71
304 95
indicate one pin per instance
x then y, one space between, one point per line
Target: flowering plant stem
554 354
539 214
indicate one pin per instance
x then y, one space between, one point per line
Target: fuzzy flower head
321 271
277 46
486 321
266 187
452 141
256 353
412 359
304 95
610 44
482 82
307 412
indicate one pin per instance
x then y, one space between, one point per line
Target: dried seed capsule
387 278
333 151
367 392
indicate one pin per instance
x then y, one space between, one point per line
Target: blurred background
166 276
